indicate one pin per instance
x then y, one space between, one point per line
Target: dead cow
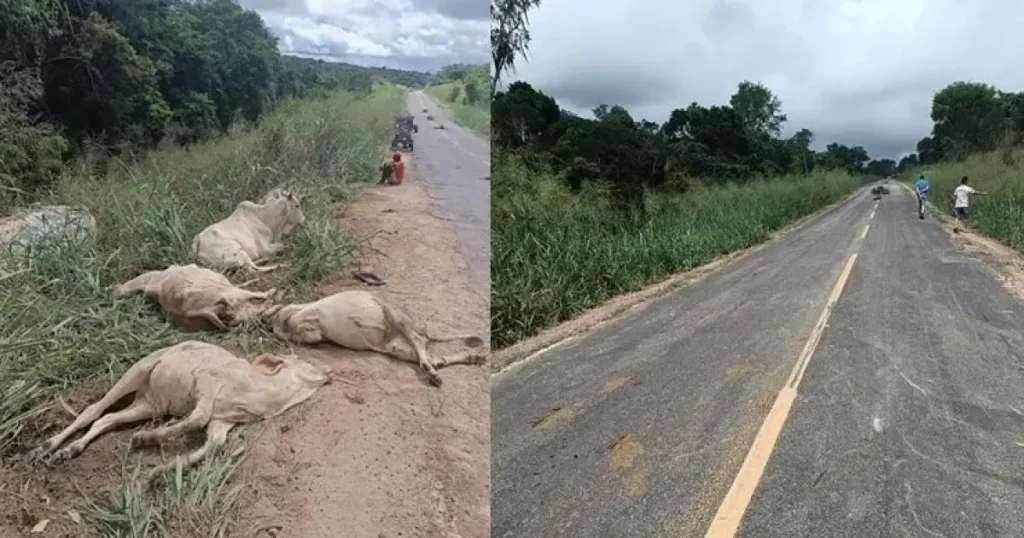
360 321
189 292
251 233
205 384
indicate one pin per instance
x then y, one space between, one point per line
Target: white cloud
856 71
429 33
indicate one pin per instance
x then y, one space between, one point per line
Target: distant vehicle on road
407 123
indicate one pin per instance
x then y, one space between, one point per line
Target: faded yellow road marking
865 232
734 505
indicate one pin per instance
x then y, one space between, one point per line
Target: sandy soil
380 452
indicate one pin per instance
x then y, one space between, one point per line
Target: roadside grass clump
1000 215
61 329
476 116
556 253
186 503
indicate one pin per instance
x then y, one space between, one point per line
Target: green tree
758 108
967 118
472 92
510 35
522 116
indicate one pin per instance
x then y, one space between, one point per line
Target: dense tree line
469 83
712 144
126 75
968 118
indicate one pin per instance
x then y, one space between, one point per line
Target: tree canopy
127 75
711 144
968 118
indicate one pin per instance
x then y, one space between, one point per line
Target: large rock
33 224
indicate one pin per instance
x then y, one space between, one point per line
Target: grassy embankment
556 253
60 329
452 94
1000 215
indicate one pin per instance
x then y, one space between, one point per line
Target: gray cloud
403 34
860 72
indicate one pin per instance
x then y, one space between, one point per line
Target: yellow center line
730 513
865 232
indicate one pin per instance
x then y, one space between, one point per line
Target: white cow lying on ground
251 233
205 384
360 321
189 292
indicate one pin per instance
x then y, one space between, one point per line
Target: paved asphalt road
455 164
905 423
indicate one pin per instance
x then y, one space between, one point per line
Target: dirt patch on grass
380 452
589 320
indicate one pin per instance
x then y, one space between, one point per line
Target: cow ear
268 364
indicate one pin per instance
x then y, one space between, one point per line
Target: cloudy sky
422 35
861 72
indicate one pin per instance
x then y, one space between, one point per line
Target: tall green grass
556 253
476 117
59 328
1000 215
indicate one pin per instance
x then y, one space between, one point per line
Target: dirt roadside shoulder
1007 263
380 452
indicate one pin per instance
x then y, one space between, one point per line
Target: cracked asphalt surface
906 423
455 164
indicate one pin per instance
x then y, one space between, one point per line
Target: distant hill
345 71
462 73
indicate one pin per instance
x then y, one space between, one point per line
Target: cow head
290 210
233 309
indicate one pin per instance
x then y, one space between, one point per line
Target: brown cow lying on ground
205 384
188 293
360 321
251 233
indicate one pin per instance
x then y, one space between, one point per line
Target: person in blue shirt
922 195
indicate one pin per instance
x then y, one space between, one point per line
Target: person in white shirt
962 198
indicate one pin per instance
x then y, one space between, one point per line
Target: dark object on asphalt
424 111
406 123
402 140
429 117
369 278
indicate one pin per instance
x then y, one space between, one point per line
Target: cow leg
135 378
259 295
241 260
139 410
196 420
401 349
398 320
465 357
210 315
216 436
